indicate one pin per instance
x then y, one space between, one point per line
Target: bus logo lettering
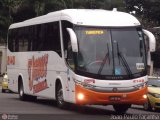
94 32
37 71
138 81
11 60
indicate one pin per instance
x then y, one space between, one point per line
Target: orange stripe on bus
92 97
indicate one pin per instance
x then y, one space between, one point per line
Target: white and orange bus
94 57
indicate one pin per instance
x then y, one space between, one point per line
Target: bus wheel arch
19 82
22 95
59 94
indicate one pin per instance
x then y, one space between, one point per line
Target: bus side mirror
152 40
73 39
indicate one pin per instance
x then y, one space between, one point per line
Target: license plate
115 98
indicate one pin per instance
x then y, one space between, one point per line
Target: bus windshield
111 52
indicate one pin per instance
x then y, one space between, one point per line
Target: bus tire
59 97
147 106
22 96
121 108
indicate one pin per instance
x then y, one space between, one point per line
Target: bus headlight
145 96
80 96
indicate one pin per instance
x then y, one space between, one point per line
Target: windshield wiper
104 61
124 62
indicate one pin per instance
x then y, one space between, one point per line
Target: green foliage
148 11
7 8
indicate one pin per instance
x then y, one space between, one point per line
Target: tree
7 8
147 11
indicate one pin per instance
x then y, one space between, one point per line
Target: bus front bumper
86 96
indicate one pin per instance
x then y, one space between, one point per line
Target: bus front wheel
59 97
121 108
147 106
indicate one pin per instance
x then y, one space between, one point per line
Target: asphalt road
42 109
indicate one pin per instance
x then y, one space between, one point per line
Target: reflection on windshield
99 54
130 45
94 44
123 60
104 61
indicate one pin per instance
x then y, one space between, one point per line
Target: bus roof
87 17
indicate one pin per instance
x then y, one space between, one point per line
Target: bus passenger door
71 66
71 86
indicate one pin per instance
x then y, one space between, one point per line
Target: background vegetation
11 11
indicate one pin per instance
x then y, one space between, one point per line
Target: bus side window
16 42
11 40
